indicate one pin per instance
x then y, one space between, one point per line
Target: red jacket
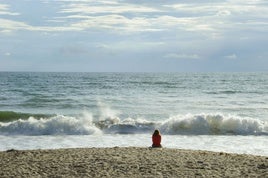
156 140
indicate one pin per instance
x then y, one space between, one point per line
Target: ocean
225 112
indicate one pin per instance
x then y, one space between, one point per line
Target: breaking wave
214 124
57 125
200 124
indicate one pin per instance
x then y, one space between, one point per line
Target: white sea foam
213 124
53 126
256 145
200 124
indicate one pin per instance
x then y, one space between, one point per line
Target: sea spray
106 111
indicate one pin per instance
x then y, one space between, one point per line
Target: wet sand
129 162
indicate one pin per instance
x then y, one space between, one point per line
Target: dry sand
129 162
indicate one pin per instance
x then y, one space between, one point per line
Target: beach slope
129 162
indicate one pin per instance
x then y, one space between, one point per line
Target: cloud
182 56
146 31
222 16
122 24
132 17
116 23
223 13
231 56
196 17
103 7
4 10
10 25
6 54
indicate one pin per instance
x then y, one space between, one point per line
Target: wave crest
58 125
213 124
200 124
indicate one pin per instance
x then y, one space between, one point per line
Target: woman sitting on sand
156 138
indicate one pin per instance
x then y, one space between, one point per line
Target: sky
134 35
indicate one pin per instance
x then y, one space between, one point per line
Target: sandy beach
129 162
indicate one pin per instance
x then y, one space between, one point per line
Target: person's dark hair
156 132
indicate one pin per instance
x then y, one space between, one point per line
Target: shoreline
129 161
